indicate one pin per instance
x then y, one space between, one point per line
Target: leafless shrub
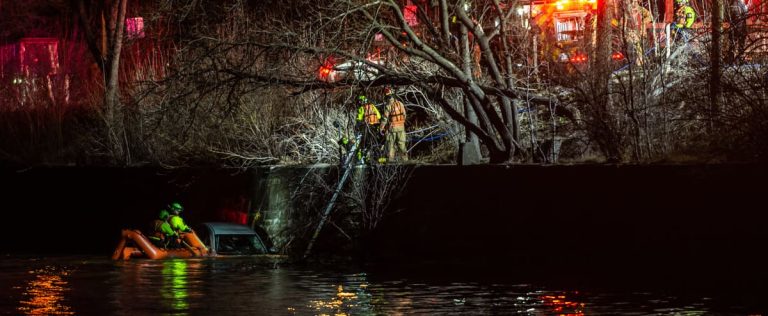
373 191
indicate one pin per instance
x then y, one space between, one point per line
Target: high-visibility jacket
394 114
177 224
685 16
161 229
368 113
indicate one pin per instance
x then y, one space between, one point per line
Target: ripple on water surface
87 285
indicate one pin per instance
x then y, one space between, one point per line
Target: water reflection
339 305
174 284
44 295
356 296
243 287
562 305
158 286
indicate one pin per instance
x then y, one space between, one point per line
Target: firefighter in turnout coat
394 127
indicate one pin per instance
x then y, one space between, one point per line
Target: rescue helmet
362 100
164 214
175 207
388 91
681 2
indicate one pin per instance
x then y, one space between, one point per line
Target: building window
134 28
39 56
568 27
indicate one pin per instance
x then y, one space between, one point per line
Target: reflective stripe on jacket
395 113
369 113
685 17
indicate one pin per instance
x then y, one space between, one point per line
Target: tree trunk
117 27
715 55
444 22
471 138
114 119
603 127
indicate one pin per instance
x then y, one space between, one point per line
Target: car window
204 235
239 245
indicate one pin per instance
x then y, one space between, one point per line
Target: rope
423 129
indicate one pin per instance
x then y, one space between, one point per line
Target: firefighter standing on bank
394 126
636 24
368 118
684 18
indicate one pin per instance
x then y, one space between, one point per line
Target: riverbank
674 218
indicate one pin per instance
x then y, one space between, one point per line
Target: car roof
229 229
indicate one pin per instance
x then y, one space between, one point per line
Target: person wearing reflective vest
162 234
685 15
177 223
367 112
368 118
394 126
684 18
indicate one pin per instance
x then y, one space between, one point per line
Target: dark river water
87 285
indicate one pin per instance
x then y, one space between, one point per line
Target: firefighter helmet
164 214
362 100
387 90
681 2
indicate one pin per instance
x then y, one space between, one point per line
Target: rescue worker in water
176 222
180 228
163 235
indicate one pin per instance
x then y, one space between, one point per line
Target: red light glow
324 72
39 56
579 58
134 28
409 12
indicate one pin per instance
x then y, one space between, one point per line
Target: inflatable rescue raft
134 244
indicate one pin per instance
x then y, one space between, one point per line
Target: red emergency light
579 58
324 72
617 56
326 68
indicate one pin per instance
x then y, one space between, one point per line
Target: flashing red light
579 58
324 72
617 56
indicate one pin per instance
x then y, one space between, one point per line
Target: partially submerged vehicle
228 239
218 239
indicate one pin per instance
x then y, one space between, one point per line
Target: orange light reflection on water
44 295
337 304
561 305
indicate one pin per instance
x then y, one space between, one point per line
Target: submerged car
209 240
233 239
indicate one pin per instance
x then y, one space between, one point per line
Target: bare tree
420 45
103 22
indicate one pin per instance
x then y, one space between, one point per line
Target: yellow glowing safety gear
394 114
369 114
685 16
